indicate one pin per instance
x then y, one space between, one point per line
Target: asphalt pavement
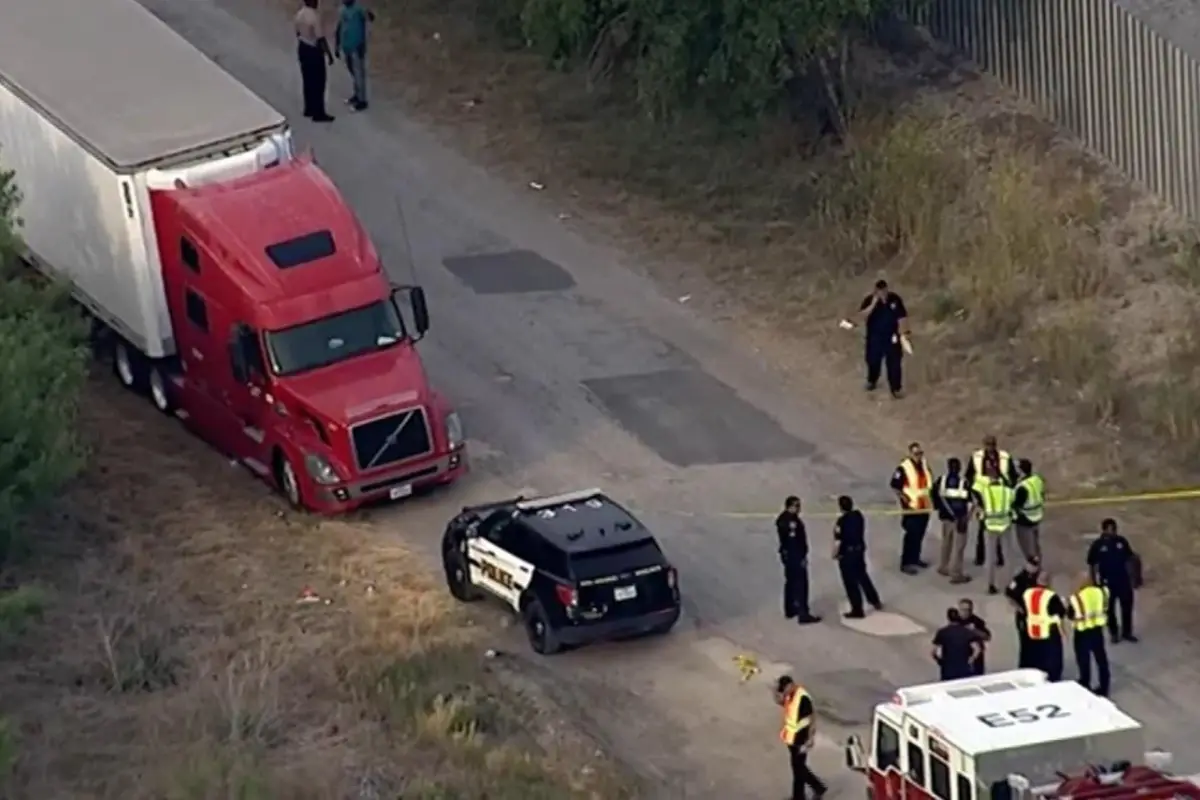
572 371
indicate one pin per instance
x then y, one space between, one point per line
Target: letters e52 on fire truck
577 568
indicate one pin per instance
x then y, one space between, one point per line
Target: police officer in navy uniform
1110 561
850 551
886 320
1015 593
793 553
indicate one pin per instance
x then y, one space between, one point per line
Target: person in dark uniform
966 612
798 734
850 551
912 483
1045 616
1015 592
956 648
886 321
793 552
1110 561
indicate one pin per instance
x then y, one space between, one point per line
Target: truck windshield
336 338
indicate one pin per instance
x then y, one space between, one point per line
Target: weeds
19 609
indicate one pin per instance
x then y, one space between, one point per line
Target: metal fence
1097 70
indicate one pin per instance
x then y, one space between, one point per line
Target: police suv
576 567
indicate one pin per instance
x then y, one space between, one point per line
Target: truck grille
397 437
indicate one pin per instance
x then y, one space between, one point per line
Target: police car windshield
592 564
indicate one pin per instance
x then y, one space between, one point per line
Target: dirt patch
1047 292
179 634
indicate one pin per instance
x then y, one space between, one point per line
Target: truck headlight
454 430
320 470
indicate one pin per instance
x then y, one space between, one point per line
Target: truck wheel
458 578
288 482
538 629
127 365
160 390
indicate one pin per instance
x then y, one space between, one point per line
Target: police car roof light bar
558 499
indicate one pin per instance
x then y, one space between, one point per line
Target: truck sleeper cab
294 355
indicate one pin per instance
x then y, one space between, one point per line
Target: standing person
966 612
793 553
1110 561
956 648
850 551
798 733
886 321
1015 593
1029 508
951 497
1044 617
913 483
352 45
989 455
312 50
1089 615
994 499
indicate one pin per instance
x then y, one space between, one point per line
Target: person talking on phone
886 319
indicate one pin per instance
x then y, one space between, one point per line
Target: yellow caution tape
747 665
883 511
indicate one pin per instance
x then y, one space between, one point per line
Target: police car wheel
458 579
538 629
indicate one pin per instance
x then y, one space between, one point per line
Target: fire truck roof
1009 715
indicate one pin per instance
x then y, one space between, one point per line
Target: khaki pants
997 545
954 542
1029 540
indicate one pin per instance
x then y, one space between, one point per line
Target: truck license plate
625 592
400 491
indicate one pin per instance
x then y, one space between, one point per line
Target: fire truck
1010 736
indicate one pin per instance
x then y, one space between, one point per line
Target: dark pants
802 776
1025 654
952 671
795 590
879 354
858 582
1120 593
981 543
980 665
312 78
1048 656
914 526
1089 645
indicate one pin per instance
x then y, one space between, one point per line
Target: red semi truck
234 286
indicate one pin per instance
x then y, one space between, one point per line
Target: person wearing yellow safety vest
1029 508
1044 617
798 732
1089 616
989 456
913 484
993 501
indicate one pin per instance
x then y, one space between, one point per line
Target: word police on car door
1023 716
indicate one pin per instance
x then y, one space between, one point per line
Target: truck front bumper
434 470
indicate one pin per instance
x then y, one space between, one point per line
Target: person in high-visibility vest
1029 508
994 499
798 732
1089 616
1044 617
990 456
913 483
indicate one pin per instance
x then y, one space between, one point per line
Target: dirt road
572 371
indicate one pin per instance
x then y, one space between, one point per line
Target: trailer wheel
127 366
160 390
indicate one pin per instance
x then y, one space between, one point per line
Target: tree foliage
731 57
43 365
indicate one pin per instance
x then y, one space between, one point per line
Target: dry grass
1053 300
157 649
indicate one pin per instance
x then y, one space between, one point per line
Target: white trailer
100 102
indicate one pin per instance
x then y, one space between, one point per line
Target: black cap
783 683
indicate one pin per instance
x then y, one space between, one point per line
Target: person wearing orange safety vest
1045 614
913 483
797 733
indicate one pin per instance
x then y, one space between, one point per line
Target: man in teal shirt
351 41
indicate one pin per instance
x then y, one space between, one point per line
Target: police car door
492 566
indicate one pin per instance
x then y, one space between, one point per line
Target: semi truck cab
1009 736
295 353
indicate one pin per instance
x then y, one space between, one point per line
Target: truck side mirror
420 309
856 759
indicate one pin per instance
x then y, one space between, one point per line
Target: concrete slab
510 272
885 623
689 418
